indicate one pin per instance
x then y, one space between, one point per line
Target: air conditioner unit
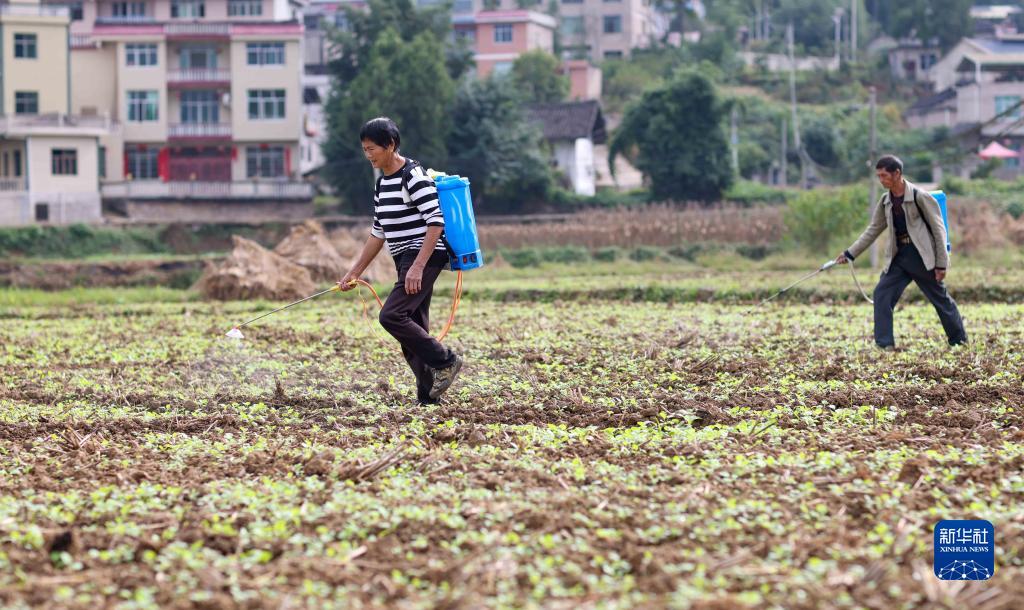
225 99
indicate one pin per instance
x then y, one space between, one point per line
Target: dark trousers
407 318
907 266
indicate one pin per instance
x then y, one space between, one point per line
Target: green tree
496 146
536 75
674 135
822 220
364 25
944 20
407 81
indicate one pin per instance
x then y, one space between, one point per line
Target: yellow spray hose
456 299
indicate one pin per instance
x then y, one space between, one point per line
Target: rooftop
571 120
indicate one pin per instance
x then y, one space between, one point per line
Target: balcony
82 41
198 76
56 124
207 190
194 31
33 10
12 185
199 131
124 19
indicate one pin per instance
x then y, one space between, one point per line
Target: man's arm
414 276
875 227
423 196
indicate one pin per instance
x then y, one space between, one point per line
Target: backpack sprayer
940 198
461 240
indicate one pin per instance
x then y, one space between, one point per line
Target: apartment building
209 97
50 165
499 37
588 29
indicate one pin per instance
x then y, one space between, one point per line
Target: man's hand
841 259
940 274
414 279
349 281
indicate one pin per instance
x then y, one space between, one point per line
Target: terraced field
595 453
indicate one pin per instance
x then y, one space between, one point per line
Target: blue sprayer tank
459 222
940 197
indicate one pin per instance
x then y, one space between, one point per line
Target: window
245 8
142 106
197 56
140 54
265 53
612 24
501 67
101 161
613 54
187 9
1013 162
266 103
571 26
7 164
75 10
264 162
17 164
142 163
469 36
462 6
25 46
572 1
199 107
26 102
128 10
1005 102
42 212
503 32
64 161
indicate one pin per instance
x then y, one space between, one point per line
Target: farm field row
595 453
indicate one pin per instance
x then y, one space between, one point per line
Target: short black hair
890 163
382 131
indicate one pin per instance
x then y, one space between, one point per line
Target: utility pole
853 30
837 20
871 165
734 140
785 145
758 15
792 101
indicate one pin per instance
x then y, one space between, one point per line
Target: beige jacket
927 234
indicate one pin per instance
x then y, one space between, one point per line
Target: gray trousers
907 266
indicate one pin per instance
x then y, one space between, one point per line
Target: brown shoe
443 378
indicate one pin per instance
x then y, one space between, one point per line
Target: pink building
499 37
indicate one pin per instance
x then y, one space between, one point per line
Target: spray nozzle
828 265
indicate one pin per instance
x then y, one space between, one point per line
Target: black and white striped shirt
402 212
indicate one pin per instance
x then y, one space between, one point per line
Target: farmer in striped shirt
407 216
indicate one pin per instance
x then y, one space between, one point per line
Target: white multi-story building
50 165
209 97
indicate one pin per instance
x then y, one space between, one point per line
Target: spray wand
825 267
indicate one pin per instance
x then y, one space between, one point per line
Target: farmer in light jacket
916 250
